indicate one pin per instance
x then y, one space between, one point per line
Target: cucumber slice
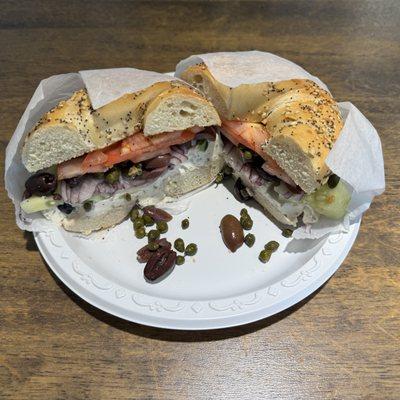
39 203
332 203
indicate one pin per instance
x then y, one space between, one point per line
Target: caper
153 246
185 223
219 178
287 233
202 145
179 260
140 233
134 214
153 235
333 181
264 256
148 221
247 155
162 226
244 212
179 245
271 246
249 239
246 222
227 170
191 249
128 197
87 205
112 175
138 223
135 170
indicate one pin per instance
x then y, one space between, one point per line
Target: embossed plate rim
195 315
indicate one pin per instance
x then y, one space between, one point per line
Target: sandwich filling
259 176
130 163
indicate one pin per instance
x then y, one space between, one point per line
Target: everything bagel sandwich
89 167
277 138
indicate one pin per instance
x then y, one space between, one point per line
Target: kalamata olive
41 184
157 214
161 264
157 162
232 232
240 191
144 254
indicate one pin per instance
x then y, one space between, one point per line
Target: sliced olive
128 197
185 223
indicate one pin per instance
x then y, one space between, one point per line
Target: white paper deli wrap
103 87
356 156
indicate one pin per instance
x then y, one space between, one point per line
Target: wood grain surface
343 342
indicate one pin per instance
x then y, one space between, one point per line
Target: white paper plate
214 289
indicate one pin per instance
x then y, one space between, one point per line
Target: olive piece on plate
232 232
41 184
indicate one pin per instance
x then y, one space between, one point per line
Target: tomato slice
251 135
94 158
135 148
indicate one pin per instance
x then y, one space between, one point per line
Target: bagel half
74 128
302 120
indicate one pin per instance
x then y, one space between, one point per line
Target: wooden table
342 342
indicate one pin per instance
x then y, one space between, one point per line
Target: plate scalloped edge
193 315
